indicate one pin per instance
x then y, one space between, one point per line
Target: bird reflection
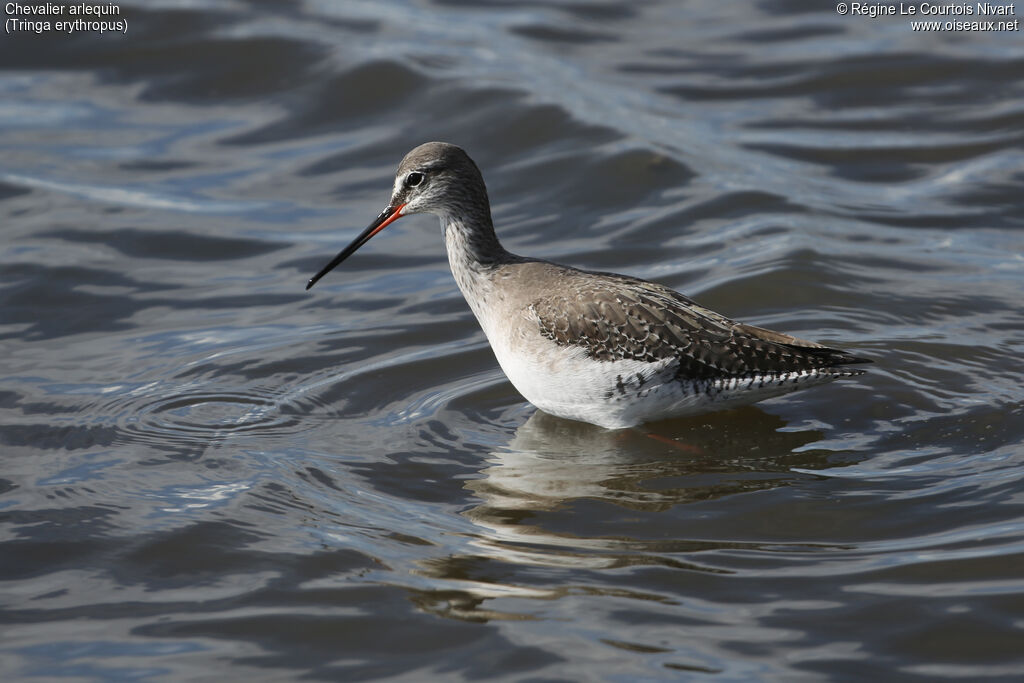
551 461
566 494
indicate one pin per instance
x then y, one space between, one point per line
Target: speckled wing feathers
618 318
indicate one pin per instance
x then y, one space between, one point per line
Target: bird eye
413 179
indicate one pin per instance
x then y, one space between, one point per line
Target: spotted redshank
612 350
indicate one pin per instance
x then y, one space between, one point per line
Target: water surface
209 472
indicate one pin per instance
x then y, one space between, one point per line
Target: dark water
209 473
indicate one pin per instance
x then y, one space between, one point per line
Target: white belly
564 382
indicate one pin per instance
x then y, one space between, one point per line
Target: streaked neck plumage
474 251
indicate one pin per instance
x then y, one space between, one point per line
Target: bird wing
612 317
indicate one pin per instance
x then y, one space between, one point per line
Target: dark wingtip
834 357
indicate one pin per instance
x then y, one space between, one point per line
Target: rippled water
210 472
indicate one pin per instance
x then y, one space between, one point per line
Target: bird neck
474 254
471 242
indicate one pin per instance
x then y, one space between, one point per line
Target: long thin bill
386 218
